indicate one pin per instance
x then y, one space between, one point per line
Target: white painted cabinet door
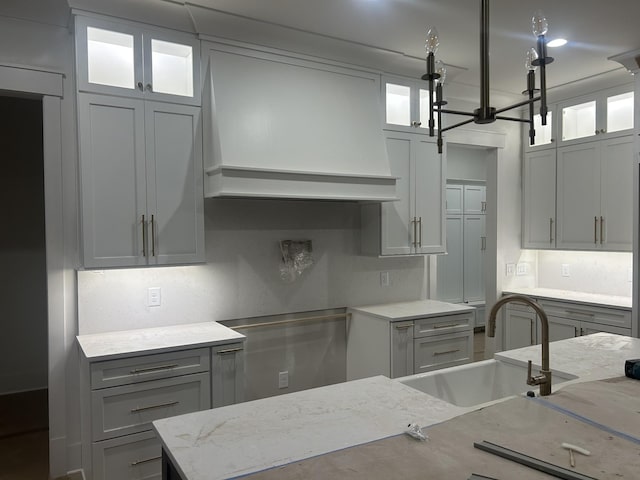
396 222
578 196
539 202
616 194
475 199
112 168
562 328
474 248
429 184
401 349
454 200
175 197
227 375
451 266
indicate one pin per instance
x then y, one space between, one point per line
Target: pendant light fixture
436 74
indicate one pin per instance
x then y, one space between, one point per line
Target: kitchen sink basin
477 383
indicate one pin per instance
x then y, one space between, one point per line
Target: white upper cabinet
127 60
475 199
406 104
546 135
539 199
606 114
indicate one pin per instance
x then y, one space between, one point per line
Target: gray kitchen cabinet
435 335
141 182
520 326
415 224
227 374
594 195
133 60
450 278
539 199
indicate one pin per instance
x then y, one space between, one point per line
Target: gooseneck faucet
544 379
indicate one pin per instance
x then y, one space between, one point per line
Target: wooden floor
24 436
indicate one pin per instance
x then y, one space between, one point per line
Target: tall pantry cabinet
140 145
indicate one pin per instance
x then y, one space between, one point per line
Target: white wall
241 277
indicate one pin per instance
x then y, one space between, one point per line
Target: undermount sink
477 383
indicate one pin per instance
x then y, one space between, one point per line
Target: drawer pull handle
228 351
403 327
576 312
146 460
153 369
448 325
151 407
444 353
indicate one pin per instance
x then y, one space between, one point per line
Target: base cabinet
396 348
566 320
121 397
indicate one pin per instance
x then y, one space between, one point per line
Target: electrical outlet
565 270
521 269
154 297
384 279
510 270
283 379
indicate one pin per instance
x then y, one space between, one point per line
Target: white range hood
282 126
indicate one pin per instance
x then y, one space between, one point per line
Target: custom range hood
281 126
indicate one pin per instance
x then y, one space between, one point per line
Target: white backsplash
241 277
607 273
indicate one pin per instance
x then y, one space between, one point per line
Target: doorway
24 435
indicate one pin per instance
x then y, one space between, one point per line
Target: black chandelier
436 73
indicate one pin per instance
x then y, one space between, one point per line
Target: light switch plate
510 270
565 270
154 297
521 269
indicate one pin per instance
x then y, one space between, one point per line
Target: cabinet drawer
132 457
440 325
588 313
125 371
441 351
130 408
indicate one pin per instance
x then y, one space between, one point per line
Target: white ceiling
596 30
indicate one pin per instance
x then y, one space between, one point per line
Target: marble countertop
249 437
576 297
112 345
411 310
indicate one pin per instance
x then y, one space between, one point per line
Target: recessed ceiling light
558 42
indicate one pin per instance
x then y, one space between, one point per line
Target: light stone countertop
575 297
411 310
253 436
112 345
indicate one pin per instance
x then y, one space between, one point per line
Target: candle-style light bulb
539 24
442 71
433 41
532 55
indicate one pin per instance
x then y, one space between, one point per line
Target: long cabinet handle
550 230
533 332
151 407
448 325
601 230
595 230
154 369
153 236
146 460
578 312
228 351
403 327
446 352
144 237
420 230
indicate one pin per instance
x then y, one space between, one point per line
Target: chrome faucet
544 379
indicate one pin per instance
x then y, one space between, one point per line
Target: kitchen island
257 436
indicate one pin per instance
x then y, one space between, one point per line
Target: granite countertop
112 345
253 436
412 310
575 297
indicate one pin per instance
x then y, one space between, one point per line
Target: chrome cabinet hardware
448 325
446 352
595 230
228 351
532 332
415 232
144 238
601 230
578 312
140 86
483 243
154 369
149 88
151 407
146 460
550 230
403 327
420 230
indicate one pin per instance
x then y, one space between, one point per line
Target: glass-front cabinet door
606 114
123 59
406 105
